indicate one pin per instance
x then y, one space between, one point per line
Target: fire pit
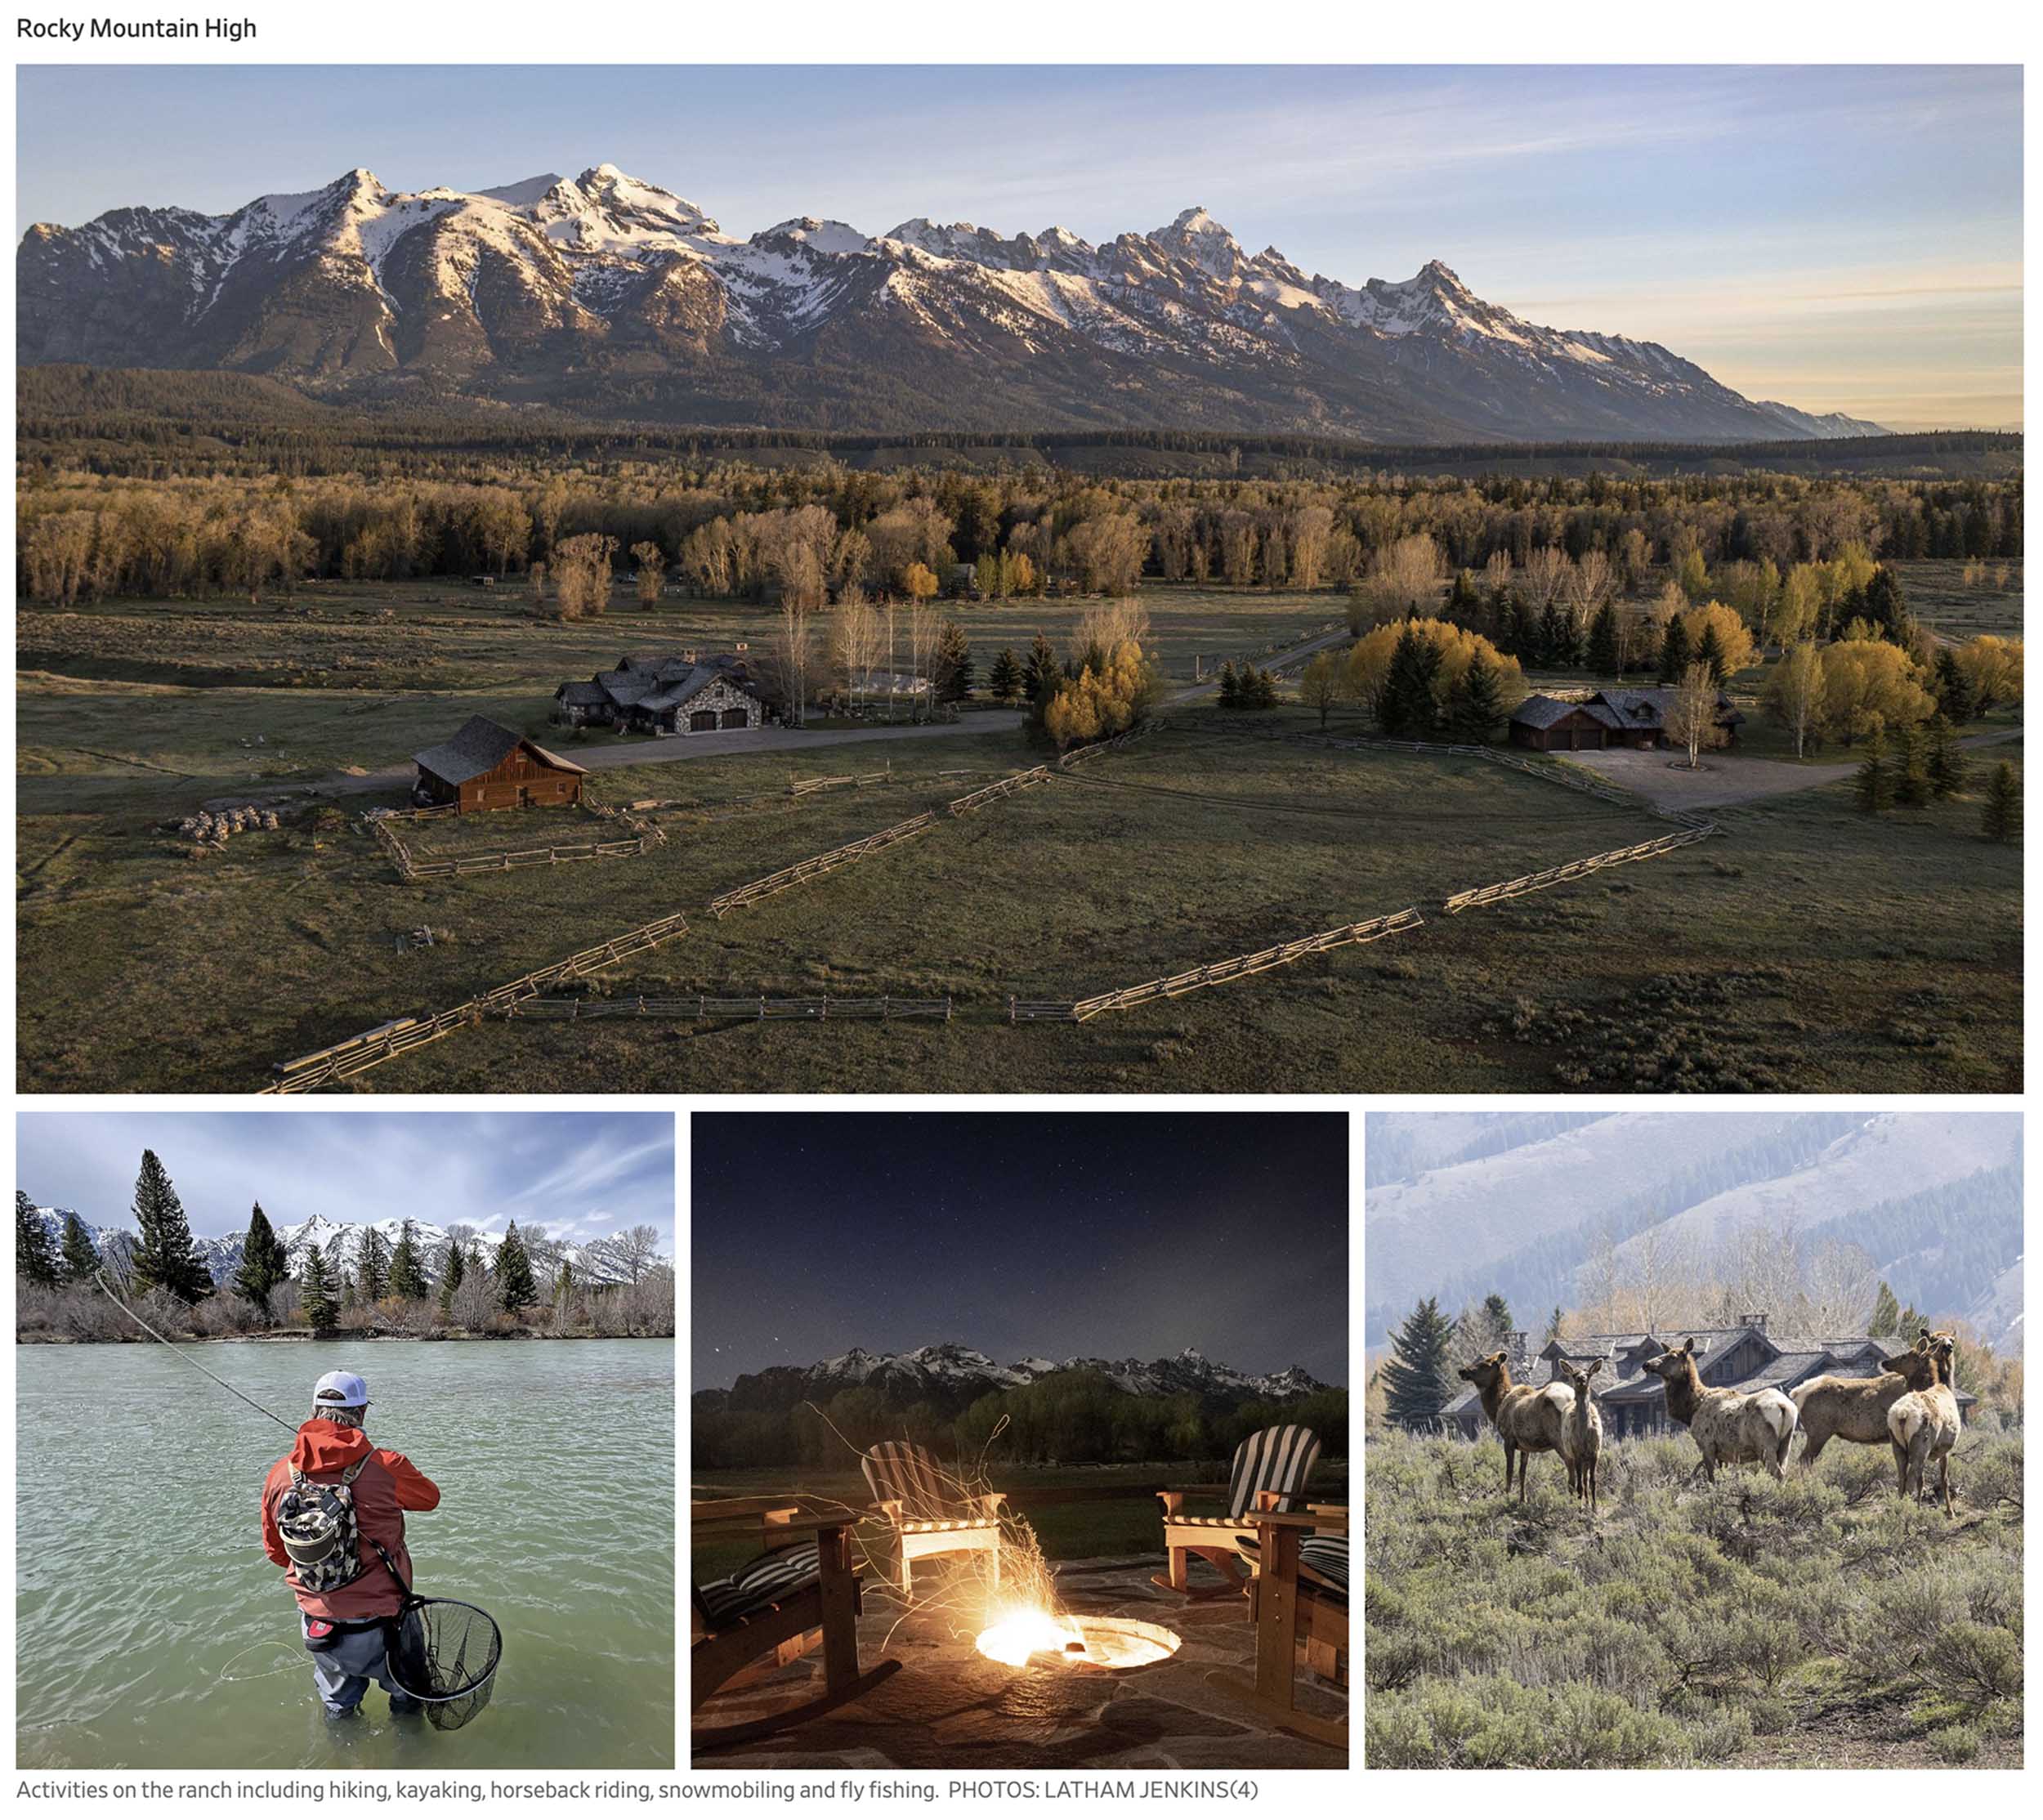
1101 1645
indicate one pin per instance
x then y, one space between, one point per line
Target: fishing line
100 1277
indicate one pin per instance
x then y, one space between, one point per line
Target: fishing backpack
318 1527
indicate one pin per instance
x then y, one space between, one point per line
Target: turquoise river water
152 1632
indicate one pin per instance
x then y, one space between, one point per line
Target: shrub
1955 1743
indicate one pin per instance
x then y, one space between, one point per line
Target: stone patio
948 1708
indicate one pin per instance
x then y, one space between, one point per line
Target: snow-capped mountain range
340 1241
949 1374
608 293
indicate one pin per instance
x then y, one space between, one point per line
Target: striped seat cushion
1321 1558
763 1581
963 1522
1207 1523
1273 1459
899 1472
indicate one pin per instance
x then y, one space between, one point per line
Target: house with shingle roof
664 694
1744 1358
1609 717
488 765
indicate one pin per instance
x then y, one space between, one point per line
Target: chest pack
318 1526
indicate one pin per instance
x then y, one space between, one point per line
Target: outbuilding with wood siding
486 766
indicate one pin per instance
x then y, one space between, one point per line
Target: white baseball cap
341 1387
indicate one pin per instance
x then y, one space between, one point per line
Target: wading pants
342 1672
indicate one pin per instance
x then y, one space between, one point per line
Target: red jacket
384 1490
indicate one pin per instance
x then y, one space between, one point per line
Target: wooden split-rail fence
644 836
1574 870
788 877
354 1055
1216 973
703 1009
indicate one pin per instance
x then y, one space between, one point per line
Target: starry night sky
1112 1235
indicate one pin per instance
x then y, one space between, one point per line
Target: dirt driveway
1727 778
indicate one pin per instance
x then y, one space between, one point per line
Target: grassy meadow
1819 1623
1811 948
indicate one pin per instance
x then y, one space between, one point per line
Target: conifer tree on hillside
1911 781
264 1263
1553 1323
1953 688
80 1256
165 1257
315 1293
1603 641
1710 654
1886 1317
1405 705
514 1287
35 1260
1040 676
952 664
407 1276
1417 1382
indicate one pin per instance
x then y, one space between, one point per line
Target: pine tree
264 1263
952 663
315 1293
2001 819
1954 689
514 1287
1947 759
1911 783
1004 681
165 1256
1875 782
1475 702
1230 685
450 1278
1602 641
1888 609
350 1290
1886 1320
407 1278
1709 650
1418 1382
371 1267
1041 676
81 1257
1404 706
1557 638
1674 654
1463 603
1554 1324
1497 1313
35 1260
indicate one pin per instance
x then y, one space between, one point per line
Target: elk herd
1911 1406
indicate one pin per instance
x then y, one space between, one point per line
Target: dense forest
1067 1417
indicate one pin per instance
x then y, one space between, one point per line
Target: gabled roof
582 694
481 746
1543 711
1648 707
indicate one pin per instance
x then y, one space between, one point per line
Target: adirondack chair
801 1593
1271 1468
926 1513
1299 1604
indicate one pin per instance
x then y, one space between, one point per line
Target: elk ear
1594 1367
1688 1345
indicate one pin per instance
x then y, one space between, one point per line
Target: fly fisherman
324 1510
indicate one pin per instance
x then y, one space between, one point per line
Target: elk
1924 1424
1528 1418
1732 1428
1582 1430
1850 1409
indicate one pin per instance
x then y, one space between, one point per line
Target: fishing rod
100 1277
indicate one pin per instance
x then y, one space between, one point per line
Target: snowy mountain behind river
606 294
340 1242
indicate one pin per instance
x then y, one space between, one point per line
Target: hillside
1460 1207
615 298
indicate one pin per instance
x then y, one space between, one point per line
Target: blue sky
578 1174
1840 238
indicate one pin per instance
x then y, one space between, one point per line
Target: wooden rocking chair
773 1611
1299 1603
1271 1468
927 1515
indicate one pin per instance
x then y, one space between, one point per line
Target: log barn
1636 718
486 766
